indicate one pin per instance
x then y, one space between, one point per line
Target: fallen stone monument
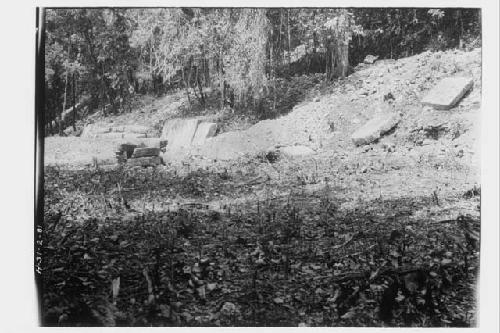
179 132
204 131
375 128
447 93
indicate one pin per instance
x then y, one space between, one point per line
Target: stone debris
375 128
204 131
448 92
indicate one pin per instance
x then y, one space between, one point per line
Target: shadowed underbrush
275 261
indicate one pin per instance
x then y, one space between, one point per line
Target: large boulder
204 131
448 92
375 128
179 132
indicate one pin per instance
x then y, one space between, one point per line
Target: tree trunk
74 102
288 28
282 49
221 81
60 125
272 71
186 87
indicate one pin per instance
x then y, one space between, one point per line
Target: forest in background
252 60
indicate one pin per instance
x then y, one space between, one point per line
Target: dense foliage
282 264
98 59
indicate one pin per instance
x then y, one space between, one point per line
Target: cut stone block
203 132
145 161
179 132
447 93
296 151
145 152
375 128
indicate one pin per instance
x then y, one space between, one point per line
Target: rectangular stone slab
375 128
179 132
447 93
204 131
145 152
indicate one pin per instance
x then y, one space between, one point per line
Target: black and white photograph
259 166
